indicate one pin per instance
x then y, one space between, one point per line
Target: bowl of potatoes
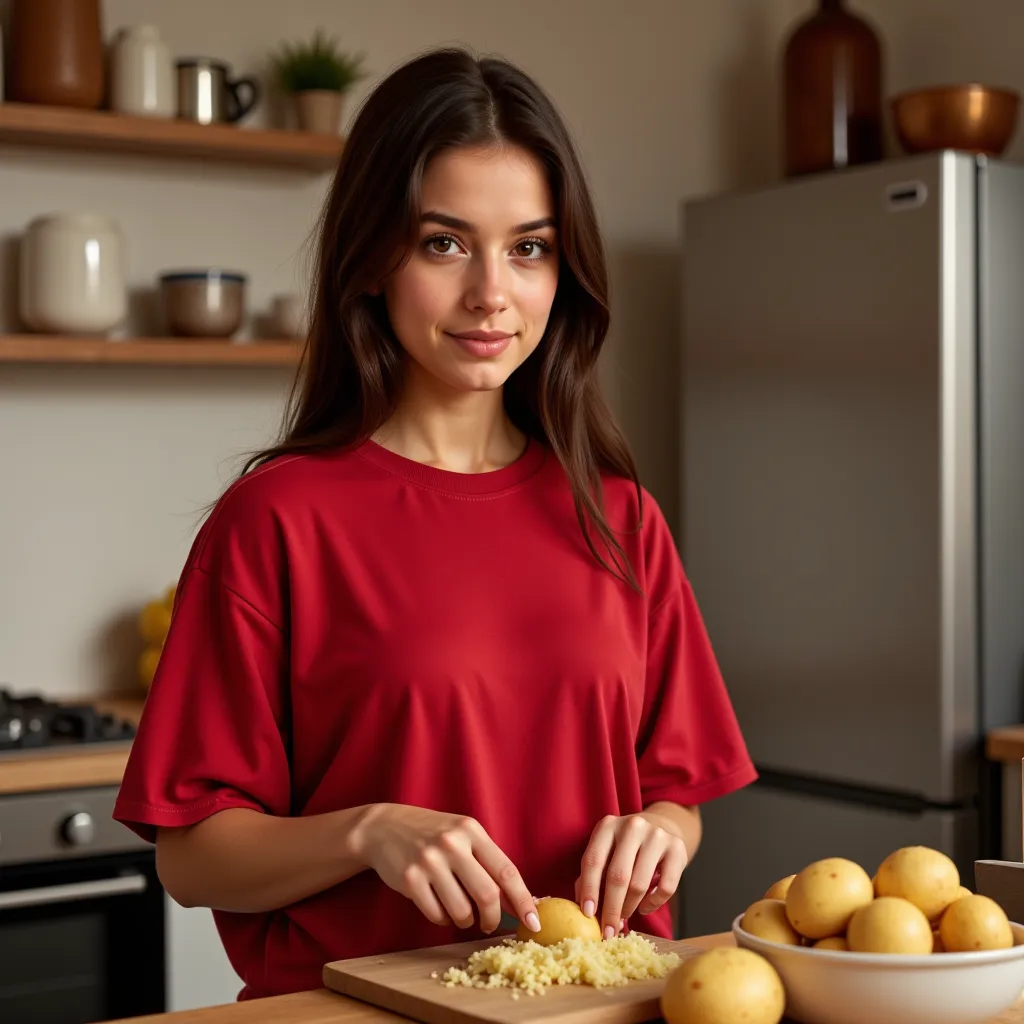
910 945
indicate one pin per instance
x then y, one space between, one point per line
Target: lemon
147 665
154 622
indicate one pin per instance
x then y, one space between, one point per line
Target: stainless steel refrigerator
853 509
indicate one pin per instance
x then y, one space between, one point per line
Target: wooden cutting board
401 982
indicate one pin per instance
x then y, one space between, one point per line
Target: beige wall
102 471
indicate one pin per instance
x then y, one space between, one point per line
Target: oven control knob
79 829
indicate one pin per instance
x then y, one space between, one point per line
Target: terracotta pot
319 110
56 53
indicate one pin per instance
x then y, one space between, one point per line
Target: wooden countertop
321 1006
73 770
1006 744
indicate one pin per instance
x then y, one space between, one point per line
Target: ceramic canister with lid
142 77
72 274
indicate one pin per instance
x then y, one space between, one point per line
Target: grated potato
531 967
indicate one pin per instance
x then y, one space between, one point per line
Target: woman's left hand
641 864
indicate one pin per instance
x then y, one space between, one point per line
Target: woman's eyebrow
444 219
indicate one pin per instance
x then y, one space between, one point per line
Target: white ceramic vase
72 275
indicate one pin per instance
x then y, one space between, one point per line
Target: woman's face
473 300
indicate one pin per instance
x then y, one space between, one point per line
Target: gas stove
31 725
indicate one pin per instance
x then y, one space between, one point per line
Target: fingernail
533 922
589 909
609 931
622 924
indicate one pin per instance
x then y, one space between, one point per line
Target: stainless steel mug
208 94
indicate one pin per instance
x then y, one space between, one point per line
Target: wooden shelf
44 348
29 124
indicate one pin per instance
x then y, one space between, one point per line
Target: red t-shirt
357 627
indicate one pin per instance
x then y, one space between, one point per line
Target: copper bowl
974 118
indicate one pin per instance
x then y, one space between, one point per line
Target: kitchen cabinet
199 973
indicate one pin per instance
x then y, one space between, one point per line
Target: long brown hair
351 373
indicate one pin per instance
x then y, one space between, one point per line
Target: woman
434 655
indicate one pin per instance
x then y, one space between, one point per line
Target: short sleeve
690 747
213 733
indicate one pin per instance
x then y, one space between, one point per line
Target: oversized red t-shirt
356 627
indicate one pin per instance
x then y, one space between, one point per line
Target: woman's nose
488 288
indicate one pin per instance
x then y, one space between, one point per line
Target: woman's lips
483 344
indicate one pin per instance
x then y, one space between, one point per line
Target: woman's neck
465 433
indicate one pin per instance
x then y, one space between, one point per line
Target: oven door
82 940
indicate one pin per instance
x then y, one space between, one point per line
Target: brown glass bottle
832 107
56 53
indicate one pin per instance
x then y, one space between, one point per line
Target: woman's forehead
487 188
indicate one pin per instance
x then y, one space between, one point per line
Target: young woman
434 655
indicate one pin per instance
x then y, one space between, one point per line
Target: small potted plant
318 76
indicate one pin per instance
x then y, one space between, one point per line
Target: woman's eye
535 249
441 246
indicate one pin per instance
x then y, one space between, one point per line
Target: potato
890 924
780 889
559 919
723 985
824 895
975 922
925 877
767 920
837 942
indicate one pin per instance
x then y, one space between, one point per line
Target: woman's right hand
442 862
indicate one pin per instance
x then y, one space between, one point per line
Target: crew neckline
493 481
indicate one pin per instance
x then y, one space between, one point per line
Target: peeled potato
832 942
963 891
927 878
824 895
559 919
780 889
723 985
975 922
890 924
767 920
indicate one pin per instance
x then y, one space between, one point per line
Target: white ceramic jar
72 275
142 80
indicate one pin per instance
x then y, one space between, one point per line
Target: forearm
681 821
244 861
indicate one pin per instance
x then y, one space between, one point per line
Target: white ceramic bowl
826 986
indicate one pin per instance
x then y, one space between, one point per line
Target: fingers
508 880
417 887
595 858
672 866
618 880
648 858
